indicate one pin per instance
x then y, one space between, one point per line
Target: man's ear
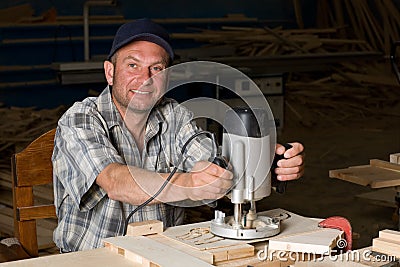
109 72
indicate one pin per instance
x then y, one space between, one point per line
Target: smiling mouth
140 92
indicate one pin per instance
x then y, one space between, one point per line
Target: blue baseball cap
141 30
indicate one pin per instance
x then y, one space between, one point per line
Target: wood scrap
395 158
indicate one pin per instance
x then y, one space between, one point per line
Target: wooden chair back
31 167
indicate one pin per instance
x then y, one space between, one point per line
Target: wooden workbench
101 257
169 249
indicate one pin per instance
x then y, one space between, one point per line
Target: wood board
291 224
378 174
319 242
101 257
148 252
388 243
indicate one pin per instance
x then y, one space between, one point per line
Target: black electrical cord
209 134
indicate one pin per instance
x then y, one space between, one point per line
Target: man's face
134 86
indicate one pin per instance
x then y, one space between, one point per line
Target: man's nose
145 76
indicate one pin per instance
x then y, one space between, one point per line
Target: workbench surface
89 258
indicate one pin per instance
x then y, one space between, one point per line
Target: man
105 167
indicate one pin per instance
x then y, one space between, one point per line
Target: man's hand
292 166
208 181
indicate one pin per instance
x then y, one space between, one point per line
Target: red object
340 223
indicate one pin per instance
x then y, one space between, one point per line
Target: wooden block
231 253
145 228
386 246
390 235
395 158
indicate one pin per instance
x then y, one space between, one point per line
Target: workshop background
323 66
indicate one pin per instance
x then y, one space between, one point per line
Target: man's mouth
140 92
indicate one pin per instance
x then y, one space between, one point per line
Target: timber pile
350 94
377 22
18 128
357 25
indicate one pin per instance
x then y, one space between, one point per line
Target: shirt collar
111 114
108 109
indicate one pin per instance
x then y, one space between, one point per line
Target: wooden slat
36 212
385 165
33 165
28 237
389 247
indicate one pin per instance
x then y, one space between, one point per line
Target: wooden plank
390 235
36 212
141 248
101 257
386 246
319 242
339 17
372 176
291 223
384 164
298 13
145 228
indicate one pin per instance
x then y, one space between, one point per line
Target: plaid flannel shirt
90 136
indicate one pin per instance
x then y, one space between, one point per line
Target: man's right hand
208 181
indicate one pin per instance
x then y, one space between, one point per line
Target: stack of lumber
336 97
264 41
19 127
387 243
340 26
376 22
194 244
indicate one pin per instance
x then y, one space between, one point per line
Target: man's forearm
135 185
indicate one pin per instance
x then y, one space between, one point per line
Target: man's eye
158 68
132 65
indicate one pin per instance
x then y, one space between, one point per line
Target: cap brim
145 37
